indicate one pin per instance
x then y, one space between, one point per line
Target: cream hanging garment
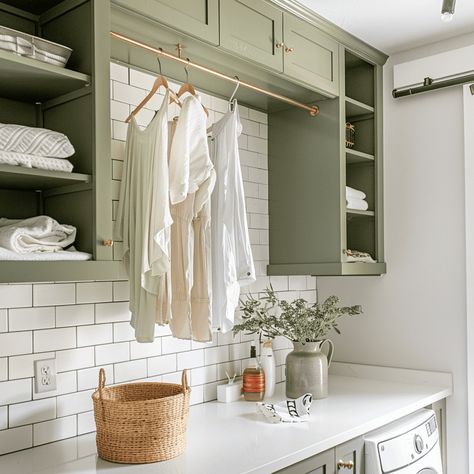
232 261
144 218
186 293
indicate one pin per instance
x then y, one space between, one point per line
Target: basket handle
101 379
184 380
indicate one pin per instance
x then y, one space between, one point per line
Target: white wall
415 316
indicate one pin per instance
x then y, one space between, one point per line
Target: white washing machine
407 446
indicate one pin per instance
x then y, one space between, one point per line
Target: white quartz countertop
233 439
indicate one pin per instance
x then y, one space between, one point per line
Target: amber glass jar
254 378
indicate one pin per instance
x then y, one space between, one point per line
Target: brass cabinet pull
279 44
108 243
345 464
289 49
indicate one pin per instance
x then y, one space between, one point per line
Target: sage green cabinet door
253 30
199 18
350 457
320 464
309 55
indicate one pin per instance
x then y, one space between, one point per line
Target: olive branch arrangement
298 321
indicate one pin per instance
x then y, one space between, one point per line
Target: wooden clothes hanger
159 82
188 87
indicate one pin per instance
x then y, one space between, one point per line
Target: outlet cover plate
45 375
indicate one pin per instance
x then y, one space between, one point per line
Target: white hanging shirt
232 261
144 219
189 161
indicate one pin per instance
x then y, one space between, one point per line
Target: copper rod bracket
179 49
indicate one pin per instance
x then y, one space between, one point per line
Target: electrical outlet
45 375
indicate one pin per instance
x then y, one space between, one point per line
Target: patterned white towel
287 411
32 161
36 234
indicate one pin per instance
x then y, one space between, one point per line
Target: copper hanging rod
312 109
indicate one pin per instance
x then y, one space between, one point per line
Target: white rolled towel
36 234
357 204
352 193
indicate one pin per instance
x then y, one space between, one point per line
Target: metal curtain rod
431 85
312 109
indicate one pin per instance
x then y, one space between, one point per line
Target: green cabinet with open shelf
71 101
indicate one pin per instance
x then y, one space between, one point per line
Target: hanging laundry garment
144 218
232 261
186 293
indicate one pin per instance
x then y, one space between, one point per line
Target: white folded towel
287 411
354 193
71 254
357 204
353 256
36 234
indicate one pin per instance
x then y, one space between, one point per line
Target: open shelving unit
69 100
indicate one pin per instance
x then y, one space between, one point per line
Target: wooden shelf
354 108
354 156
30 80
16 177
356 213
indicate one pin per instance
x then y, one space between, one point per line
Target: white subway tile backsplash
239 351
16 439
257 144
49 431
15 391
110 353
73 403
117 150
170 344
3 368
215 355
123 332
197 394
74 359
94 292
210 391
89 378
3 417
23 319
31 412
119 130
94 334
15 343
3 320
141 79
15 296
54 294
119 110
121 290
297 282
140 350
118 72
258 116
76 315
162 365
22 366
133 370
85 423
189 360
54 339
112 312
203 375
232 368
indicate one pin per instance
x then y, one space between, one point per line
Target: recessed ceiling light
447 10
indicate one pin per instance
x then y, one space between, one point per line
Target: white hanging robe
144 219
232 261
186 294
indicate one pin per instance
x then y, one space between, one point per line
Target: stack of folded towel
34 147
355 199
38 238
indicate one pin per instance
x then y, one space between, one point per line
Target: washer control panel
407 448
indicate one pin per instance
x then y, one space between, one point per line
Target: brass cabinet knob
345 464
289 49
279 44
108 243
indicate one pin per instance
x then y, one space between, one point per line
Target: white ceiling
396 25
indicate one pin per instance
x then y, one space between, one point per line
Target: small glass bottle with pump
253 378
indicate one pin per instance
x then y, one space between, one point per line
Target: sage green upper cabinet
199 18
253 30
309 55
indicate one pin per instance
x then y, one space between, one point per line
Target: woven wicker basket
141 422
